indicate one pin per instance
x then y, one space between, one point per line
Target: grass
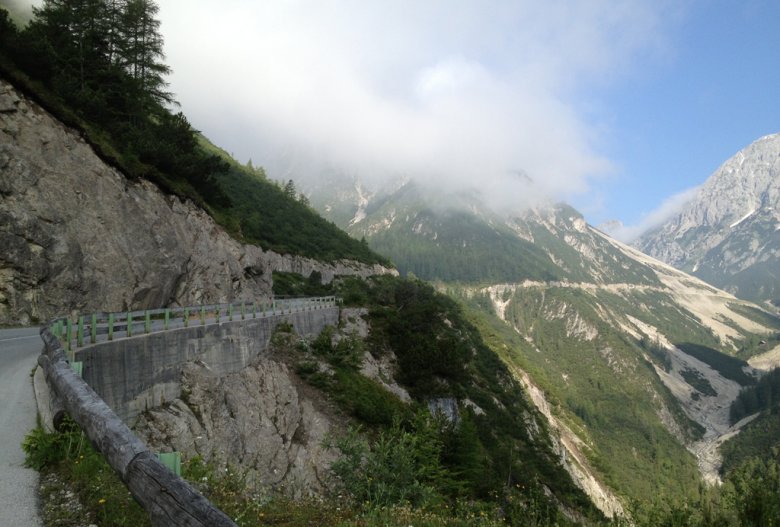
699 382
600 387
69 456
728 366
103 499
754 440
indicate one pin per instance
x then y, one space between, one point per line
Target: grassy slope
440 354
602 388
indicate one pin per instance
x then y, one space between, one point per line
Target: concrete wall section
135 374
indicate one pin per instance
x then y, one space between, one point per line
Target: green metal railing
101 327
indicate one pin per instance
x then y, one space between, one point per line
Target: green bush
401 467
99 489
43 449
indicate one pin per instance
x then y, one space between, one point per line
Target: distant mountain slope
634 362
448 237
729 234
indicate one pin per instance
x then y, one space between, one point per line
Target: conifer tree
289 189
141 49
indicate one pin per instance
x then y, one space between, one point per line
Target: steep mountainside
408 356
77 235
729 234
634 363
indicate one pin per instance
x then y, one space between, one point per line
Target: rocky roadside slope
78 236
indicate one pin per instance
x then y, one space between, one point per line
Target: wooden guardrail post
203 315
110 326
129 324
147 322
186 317
167 318
168 499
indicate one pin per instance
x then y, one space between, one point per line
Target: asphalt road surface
19 349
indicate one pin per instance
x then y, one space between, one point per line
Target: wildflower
101 501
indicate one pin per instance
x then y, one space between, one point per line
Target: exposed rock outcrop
729 233
77 235
255 421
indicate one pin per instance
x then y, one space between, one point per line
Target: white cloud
670 207
458 93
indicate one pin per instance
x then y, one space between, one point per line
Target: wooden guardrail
167 498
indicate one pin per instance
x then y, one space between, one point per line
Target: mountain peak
729 233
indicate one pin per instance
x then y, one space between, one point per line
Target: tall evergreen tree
289 189
141 49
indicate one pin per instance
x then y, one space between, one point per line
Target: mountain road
19 349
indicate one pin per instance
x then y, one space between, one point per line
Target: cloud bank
462 94
669 208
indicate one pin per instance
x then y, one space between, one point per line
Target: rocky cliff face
263 421
76 235
255 421
729 234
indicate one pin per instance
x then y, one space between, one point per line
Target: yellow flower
101 501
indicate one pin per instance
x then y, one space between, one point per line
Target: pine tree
289 189
140 49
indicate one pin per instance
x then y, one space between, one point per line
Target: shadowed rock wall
135 374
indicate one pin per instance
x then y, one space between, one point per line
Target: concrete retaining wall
134 374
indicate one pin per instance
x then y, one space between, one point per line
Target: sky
619 107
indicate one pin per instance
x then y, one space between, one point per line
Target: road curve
19 349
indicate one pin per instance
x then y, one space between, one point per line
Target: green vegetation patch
69 456
756 439
698 382
598 384
764 318
728 366
97 67
293 284
440 356
458 246
763 396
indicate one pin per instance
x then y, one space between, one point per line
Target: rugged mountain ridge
610 342
729 233
77 235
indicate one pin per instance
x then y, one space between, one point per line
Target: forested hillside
635 362
98 66
562 366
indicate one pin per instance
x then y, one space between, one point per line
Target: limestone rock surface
78 236
255 421
729 233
